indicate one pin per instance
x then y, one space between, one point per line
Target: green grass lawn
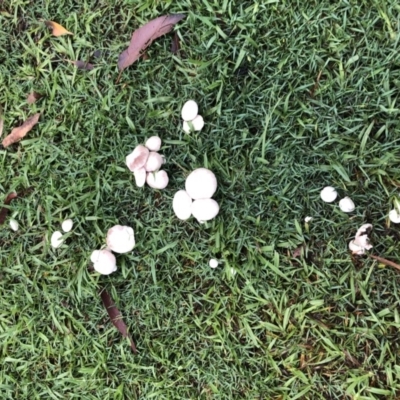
296 95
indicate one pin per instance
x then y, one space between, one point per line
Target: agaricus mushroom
328 194
67 225
361 241
197 123
347 205
153 143
120 239
201 184
137 159
56 240
154 162
104 261
205 209
14 225
157 180
140 177
394 216
213 263
189 110
308 219
182 205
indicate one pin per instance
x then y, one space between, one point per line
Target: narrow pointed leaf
18 133
57 29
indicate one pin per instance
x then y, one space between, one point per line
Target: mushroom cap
153 143
104 261
189 110
205 209
308 219
154 162
213 263
137 159
56 240
201 184
182 205
361 241
120 239
198 124
328 194
140 177
394 216
67 225
157 180
14 225
347 205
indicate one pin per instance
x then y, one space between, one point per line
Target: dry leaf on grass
33 97
116 316
83 65
4 210
18 133
144 36
57 29
175 45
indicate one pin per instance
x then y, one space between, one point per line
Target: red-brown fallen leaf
175 45
57 29
83 65
20 132
144 36
116 317
33 97
4 210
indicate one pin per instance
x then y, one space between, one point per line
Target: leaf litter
20 132
33 97
4 210
57 29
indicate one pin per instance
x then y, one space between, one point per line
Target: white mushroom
140 177
120 239
14 225
67 225
328 194
154 162
137 159
394 216
205 209
56 240
201 184
347 205
153 143
104 261
213 263
198 124
361 241
182 205
157 180
308 219
189 110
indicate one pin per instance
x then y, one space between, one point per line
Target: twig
386 262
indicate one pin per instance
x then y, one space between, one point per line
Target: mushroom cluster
145 163
192 120
56 239
196 200
120 239
329 194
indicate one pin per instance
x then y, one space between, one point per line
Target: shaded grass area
296 96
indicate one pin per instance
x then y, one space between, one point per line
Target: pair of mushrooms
120 239
192 120
329 194
196 200
145 163
56 239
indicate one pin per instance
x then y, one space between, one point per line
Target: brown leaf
33 97
175 45
83 65
144 36
116 316
20 132
58 30
4 210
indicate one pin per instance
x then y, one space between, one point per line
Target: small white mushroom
347 205
67 225
213 263
157 180
120 239
153 143
189 110
154 162
14 225
182 205
361 241
201 184
140 177
137 159
104 262
56 240
394 216
307 219
205 209
198 124
328 194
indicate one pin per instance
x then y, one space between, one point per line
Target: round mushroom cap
205 209
137 159
14 225
394 216
213 263
153 143
328 194
201 184
120 239
154 162
140 177
67 225
198 124
157 180
104 261
182 205
347 205
189 110
56 240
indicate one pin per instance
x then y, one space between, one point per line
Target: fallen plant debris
385 262
83 65
1 121
4 210
57 29
175 45
116 316
33 97
144 36
19 133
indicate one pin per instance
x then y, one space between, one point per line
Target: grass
263 325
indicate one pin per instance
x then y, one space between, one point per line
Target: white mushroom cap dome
120 239
153 162
182 205
153 143
205 209
189 110
157 180
104 261
201 184
328 194
137 159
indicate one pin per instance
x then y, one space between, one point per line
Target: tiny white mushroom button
189 110
328 194
14 225
154 162
56 240
394 216
213 263
153 143
67 225
347 205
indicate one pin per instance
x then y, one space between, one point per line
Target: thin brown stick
316 84
386 262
